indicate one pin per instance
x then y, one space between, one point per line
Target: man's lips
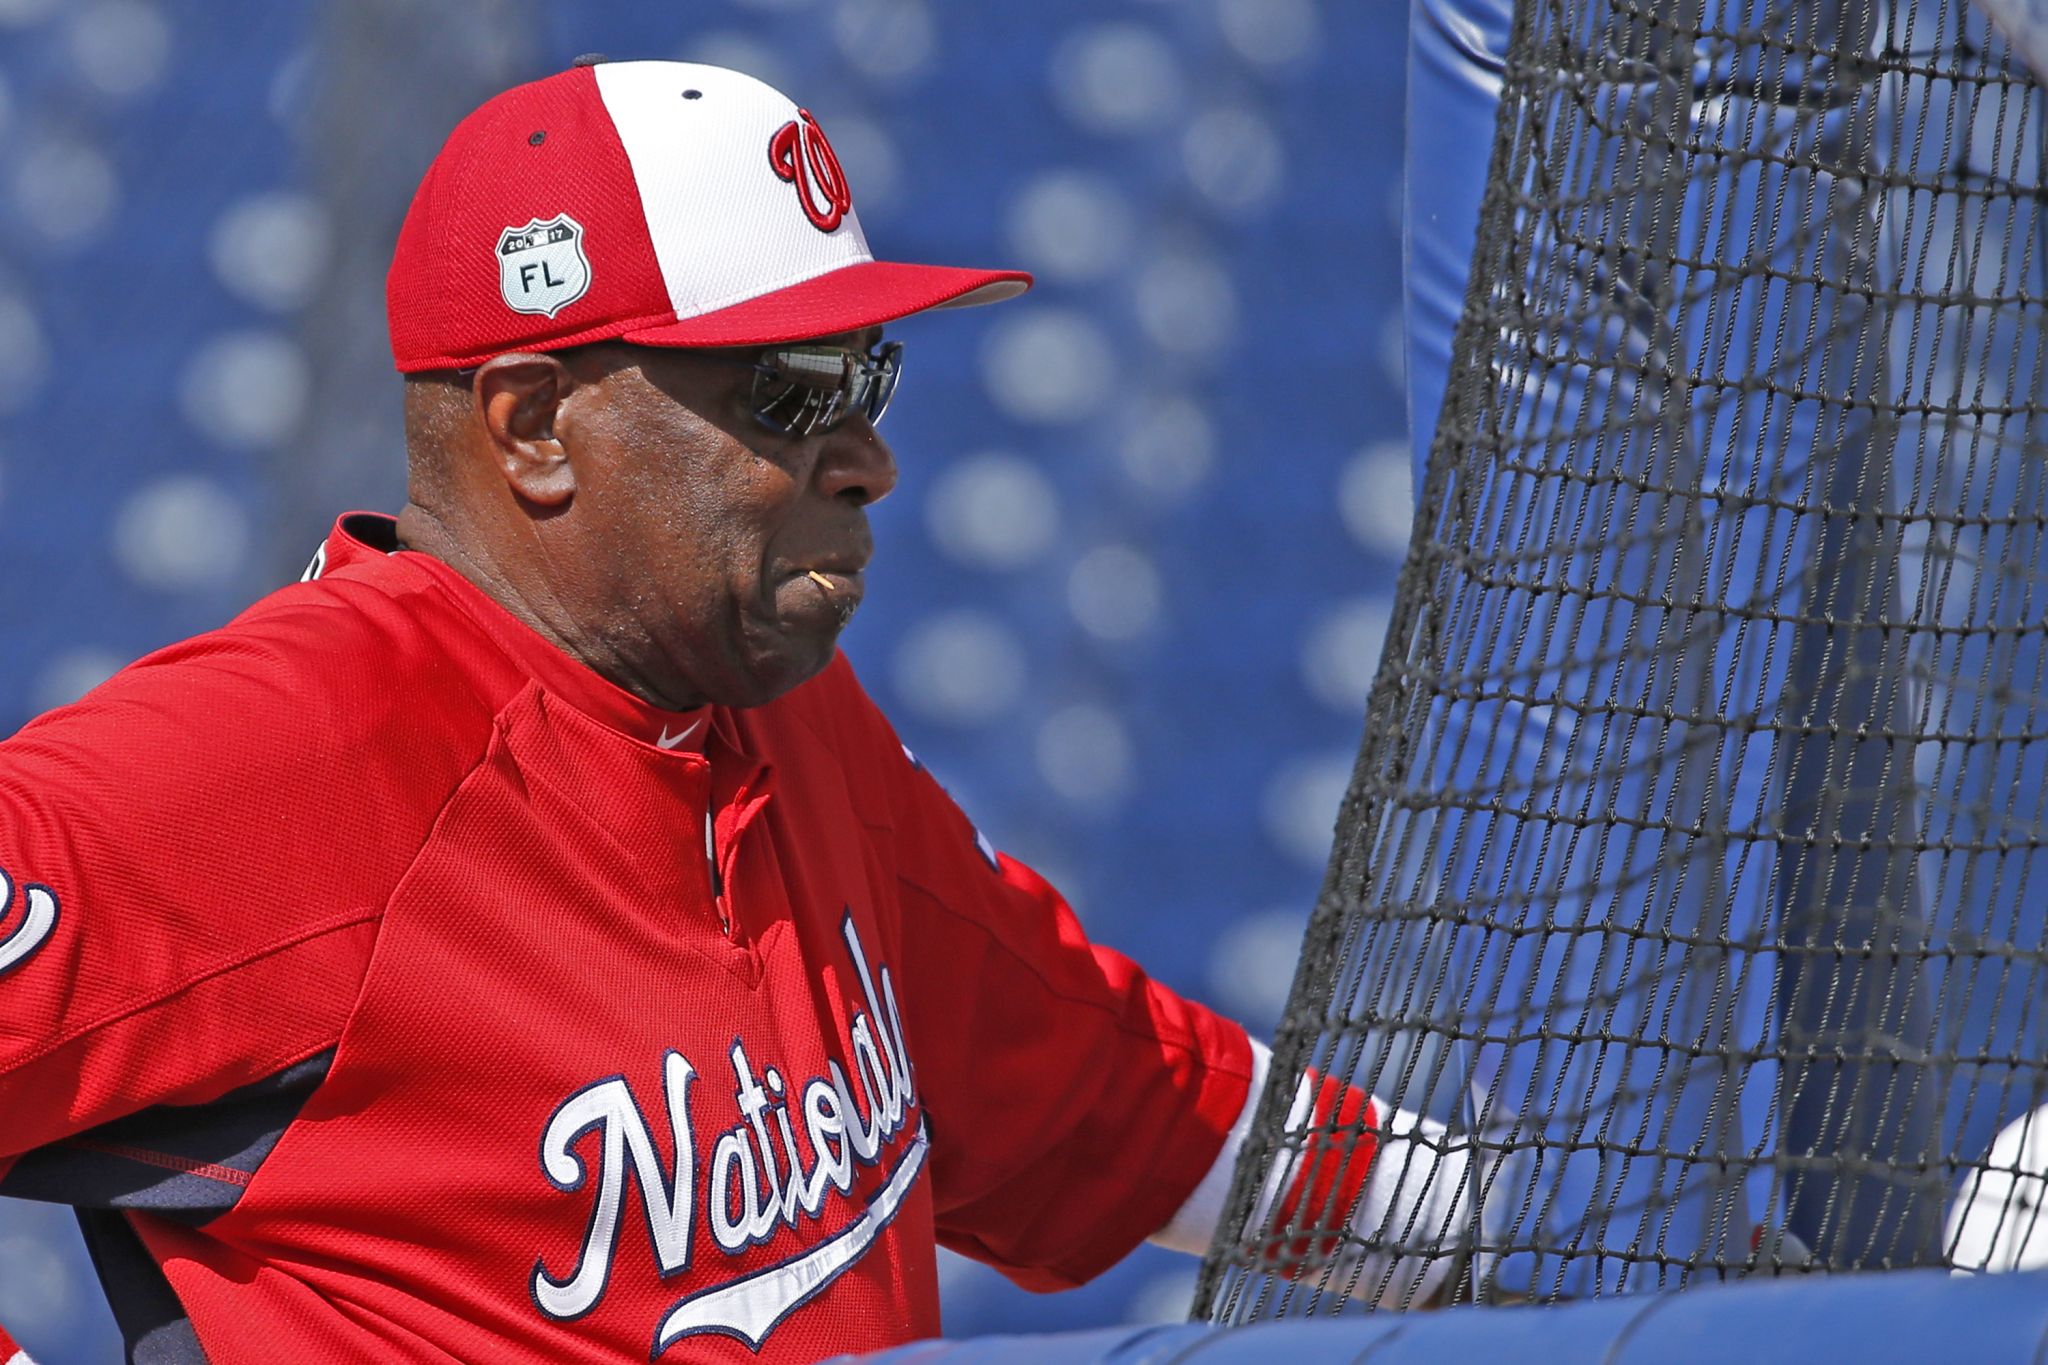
845 564
839 584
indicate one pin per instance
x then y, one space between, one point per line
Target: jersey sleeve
1074 1102
190 899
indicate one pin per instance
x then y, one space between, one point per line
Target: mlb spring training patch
541 265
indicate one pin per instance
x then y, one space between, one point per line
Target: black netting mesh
1694 872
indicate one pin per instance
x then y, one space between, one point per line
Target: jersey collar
367 536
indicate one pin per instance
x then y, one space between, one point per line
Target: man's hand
1371 1189
1376 1197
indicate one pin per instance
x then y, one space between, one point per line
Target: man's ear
519 397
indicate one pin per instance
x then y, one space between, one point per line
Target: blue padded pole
1456 49
1904 1316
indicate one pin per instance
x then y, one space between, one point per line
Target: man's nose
856 463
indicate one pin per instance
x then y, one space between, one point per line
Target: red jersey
384 985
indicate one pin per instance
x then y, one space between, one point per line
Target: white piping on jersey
750 1307
39 921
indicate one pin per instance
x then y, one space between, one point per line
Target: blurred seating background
1132 587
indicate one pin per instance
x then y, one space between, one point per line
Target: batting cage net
1694 873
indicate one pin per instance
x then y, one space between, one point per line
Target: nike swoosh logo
751 1307
36 926
668 741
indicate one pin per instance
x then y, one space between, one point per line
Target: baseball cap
660 203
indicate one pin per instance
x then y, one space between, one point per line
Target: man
523 940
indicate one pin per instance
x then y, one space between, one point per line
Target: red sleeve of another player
185 907
1074 1102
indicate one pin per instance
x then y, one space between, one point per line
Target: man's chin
782 671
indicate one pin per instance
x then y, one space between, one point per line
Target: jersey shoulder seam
306 934
433 826
337 923
1190 1042
345 589
340 921
359 598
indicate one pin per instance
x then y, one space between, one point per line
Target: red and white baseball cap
662 203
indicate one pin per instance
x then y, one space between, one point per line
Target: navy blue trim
154 1327
374 529
146 1168
741 1130
147 1172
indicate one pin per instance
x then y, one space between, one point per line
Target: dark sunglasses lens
886 369
788 392
799 390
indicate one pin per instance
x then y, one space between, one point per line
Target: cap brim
844 300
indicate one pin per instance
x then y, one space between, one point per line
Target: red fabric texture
376 814
442 293
1330 1177
8 1348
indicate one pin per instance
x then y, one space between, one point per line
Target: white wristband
1193 1227
1416 1196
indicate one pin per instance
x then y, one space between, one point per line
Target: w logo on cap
801 155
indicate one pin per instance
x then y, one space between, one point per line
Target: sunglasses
804 390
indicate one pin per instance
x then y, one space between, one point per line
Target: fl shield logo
541 266
37 921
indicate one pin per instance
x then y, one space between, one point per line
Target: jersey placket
739 794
